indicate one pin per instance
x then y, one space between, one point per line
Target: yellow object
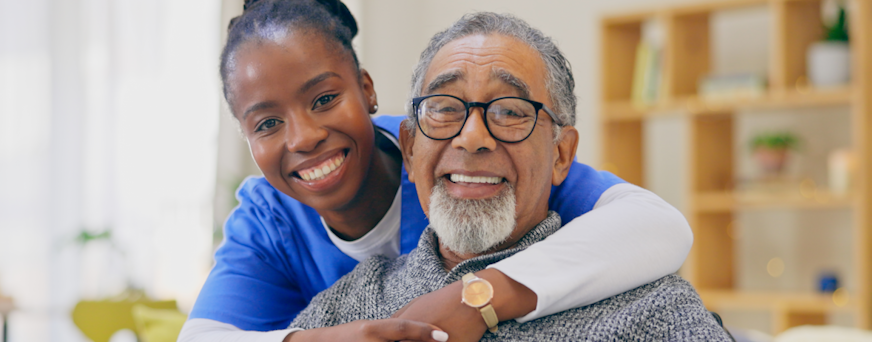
158 325
99 320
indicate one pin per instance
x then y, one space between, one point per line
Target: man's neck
450 259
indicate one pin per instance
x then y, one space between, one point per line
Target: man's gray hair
559 81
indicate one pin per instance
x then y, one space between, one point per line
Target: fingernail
440 336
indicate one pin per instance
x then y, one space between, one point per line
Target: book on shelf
647 72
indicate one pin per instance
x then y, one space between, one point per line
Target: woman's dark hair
263 19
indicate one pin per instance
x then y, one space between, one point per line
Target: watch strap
487 311
490 317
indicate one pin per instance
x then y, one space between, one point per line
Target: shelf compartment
622 151
620 39
693 106
797 25
727 201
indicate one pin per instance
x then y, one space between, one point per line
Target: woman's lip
327 182
317 161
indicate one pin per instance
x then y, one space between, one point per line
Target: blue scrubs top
276 254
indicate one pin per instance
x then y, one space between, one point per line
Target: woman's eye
269 123
324 100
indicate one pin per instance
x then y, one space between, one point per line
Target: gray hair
559 81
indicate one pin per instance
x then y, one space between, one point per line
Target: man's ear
407 144
368 88
564 154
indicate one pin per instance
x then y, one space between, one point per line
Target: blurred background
119 158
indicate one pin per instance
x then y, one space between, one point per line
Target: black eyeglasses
508 119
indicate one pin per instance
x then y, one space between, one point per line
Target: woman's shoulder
261 202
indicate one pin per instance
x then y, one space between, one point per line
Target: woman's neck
376 194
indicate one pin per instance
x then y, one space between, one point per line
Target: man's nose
474 136
303 134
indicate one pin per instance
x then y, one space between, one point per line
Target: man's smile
473 185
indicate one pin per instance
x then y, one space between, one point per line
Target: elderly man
484 148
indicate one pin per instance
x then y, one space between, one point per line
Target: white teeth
456 178
322 170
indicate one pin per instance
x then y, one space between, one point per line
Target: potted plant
829 60
771 151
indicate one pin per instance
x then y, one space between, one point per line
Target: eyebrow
306 87
513 81
258 106
443 79
317 79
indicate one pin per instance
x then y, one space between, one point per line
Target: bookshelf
713 199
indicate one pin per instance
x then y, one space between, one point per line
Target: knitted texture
668 309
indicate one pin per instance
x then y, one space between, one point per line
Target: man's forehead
493 57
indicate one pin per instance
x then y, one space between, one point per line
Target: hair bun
338 9
248 3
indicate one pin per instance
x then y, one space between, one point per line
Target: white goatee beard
468 226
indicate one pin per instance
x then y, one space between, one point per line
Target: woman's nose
303 134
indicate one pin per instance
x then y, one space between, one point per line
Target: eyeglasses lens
510 120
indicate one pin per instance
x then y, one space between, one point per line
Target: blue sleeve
580 191
250 285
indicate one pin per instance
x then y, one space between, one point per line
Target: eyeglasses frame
416 102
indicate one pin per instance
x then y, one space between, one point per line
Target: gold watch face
477 293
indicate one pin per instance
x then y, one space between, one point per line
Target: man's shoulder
660 310
360 294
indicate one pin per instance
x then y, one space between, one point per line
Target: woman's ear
564 154
368 88
407 144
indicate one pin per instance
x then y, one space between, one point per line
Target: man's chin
472 226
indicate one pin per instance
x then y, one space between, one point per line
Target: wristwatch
478 294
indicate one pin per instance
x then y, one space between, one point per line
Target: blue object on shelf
828 282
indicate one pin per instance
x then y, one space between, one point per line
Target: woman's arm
207 330
630 238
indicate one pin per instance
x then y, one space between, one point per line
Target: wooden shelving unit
713 198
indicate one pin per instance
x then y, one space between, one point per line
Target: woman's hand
383 330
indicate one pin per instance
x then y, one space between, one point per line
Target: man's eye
324 100
269 123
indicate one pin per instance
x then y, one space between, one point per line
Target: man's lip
473 190
472 173
316 161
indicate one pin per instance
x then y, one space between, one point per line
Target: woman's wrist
511 299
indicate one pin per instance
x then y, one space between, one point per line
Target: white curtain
108 122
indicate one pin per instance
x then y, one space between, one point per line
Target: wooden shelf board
625 110
772 300
727 201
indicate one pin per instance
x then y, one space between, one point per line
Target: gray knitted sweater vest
667 309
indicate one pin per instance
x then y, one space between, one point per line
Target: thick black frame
416 102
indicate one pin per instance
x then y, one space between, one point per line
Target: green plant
775 141
839 31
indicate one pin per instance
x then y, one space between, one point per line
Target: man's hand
383 330
444 309
464 323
